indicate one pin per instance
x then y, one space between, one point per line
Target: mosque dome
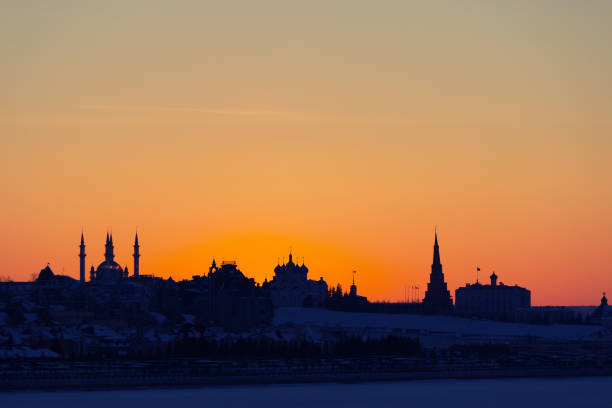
109 270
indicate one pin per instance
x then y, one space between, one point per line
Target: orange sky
344 130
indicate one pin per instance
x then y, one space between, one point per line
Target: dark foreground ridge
300 365
199 373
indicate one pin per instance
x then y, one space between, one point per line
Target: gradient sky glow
345 129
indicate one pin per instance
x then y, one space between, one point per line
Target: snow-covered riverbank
583 392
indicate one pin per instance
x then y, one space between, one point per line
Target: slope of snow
159 318
429 325
30 317
26 352
500 393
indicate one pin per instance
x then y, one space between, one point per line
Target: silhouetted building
236 302
602 314
353 289
45 275
108 270
353 296
291 286
51 289
437 297
492 301
543 315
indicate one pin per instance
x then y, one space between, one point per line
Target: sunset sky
346 130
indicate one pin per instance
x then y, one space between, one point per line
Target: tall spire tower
436 254
353 290
136 256
82 259
437 298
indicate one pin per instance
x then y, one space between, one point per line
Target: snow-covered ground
430 326
585 392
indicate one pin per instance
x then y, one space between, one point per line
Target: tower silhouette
136 256
109 253
82 256
437 297
353 290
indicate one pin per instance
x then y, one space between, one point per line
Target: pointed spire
109 250
436 254
136 256
82 256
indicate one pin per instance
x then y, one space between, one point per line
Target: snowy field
582 392
448 325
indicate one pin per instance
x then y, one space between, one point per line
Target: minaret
82 259
109 254
136 256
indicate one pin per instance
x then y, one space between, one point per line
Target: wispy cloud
212 111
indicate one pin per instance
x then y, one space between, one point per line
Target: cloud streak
205 110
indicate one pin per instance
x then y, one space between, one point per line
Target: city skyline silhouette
86 271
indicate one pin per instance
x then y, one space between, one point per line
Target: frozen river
515 393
